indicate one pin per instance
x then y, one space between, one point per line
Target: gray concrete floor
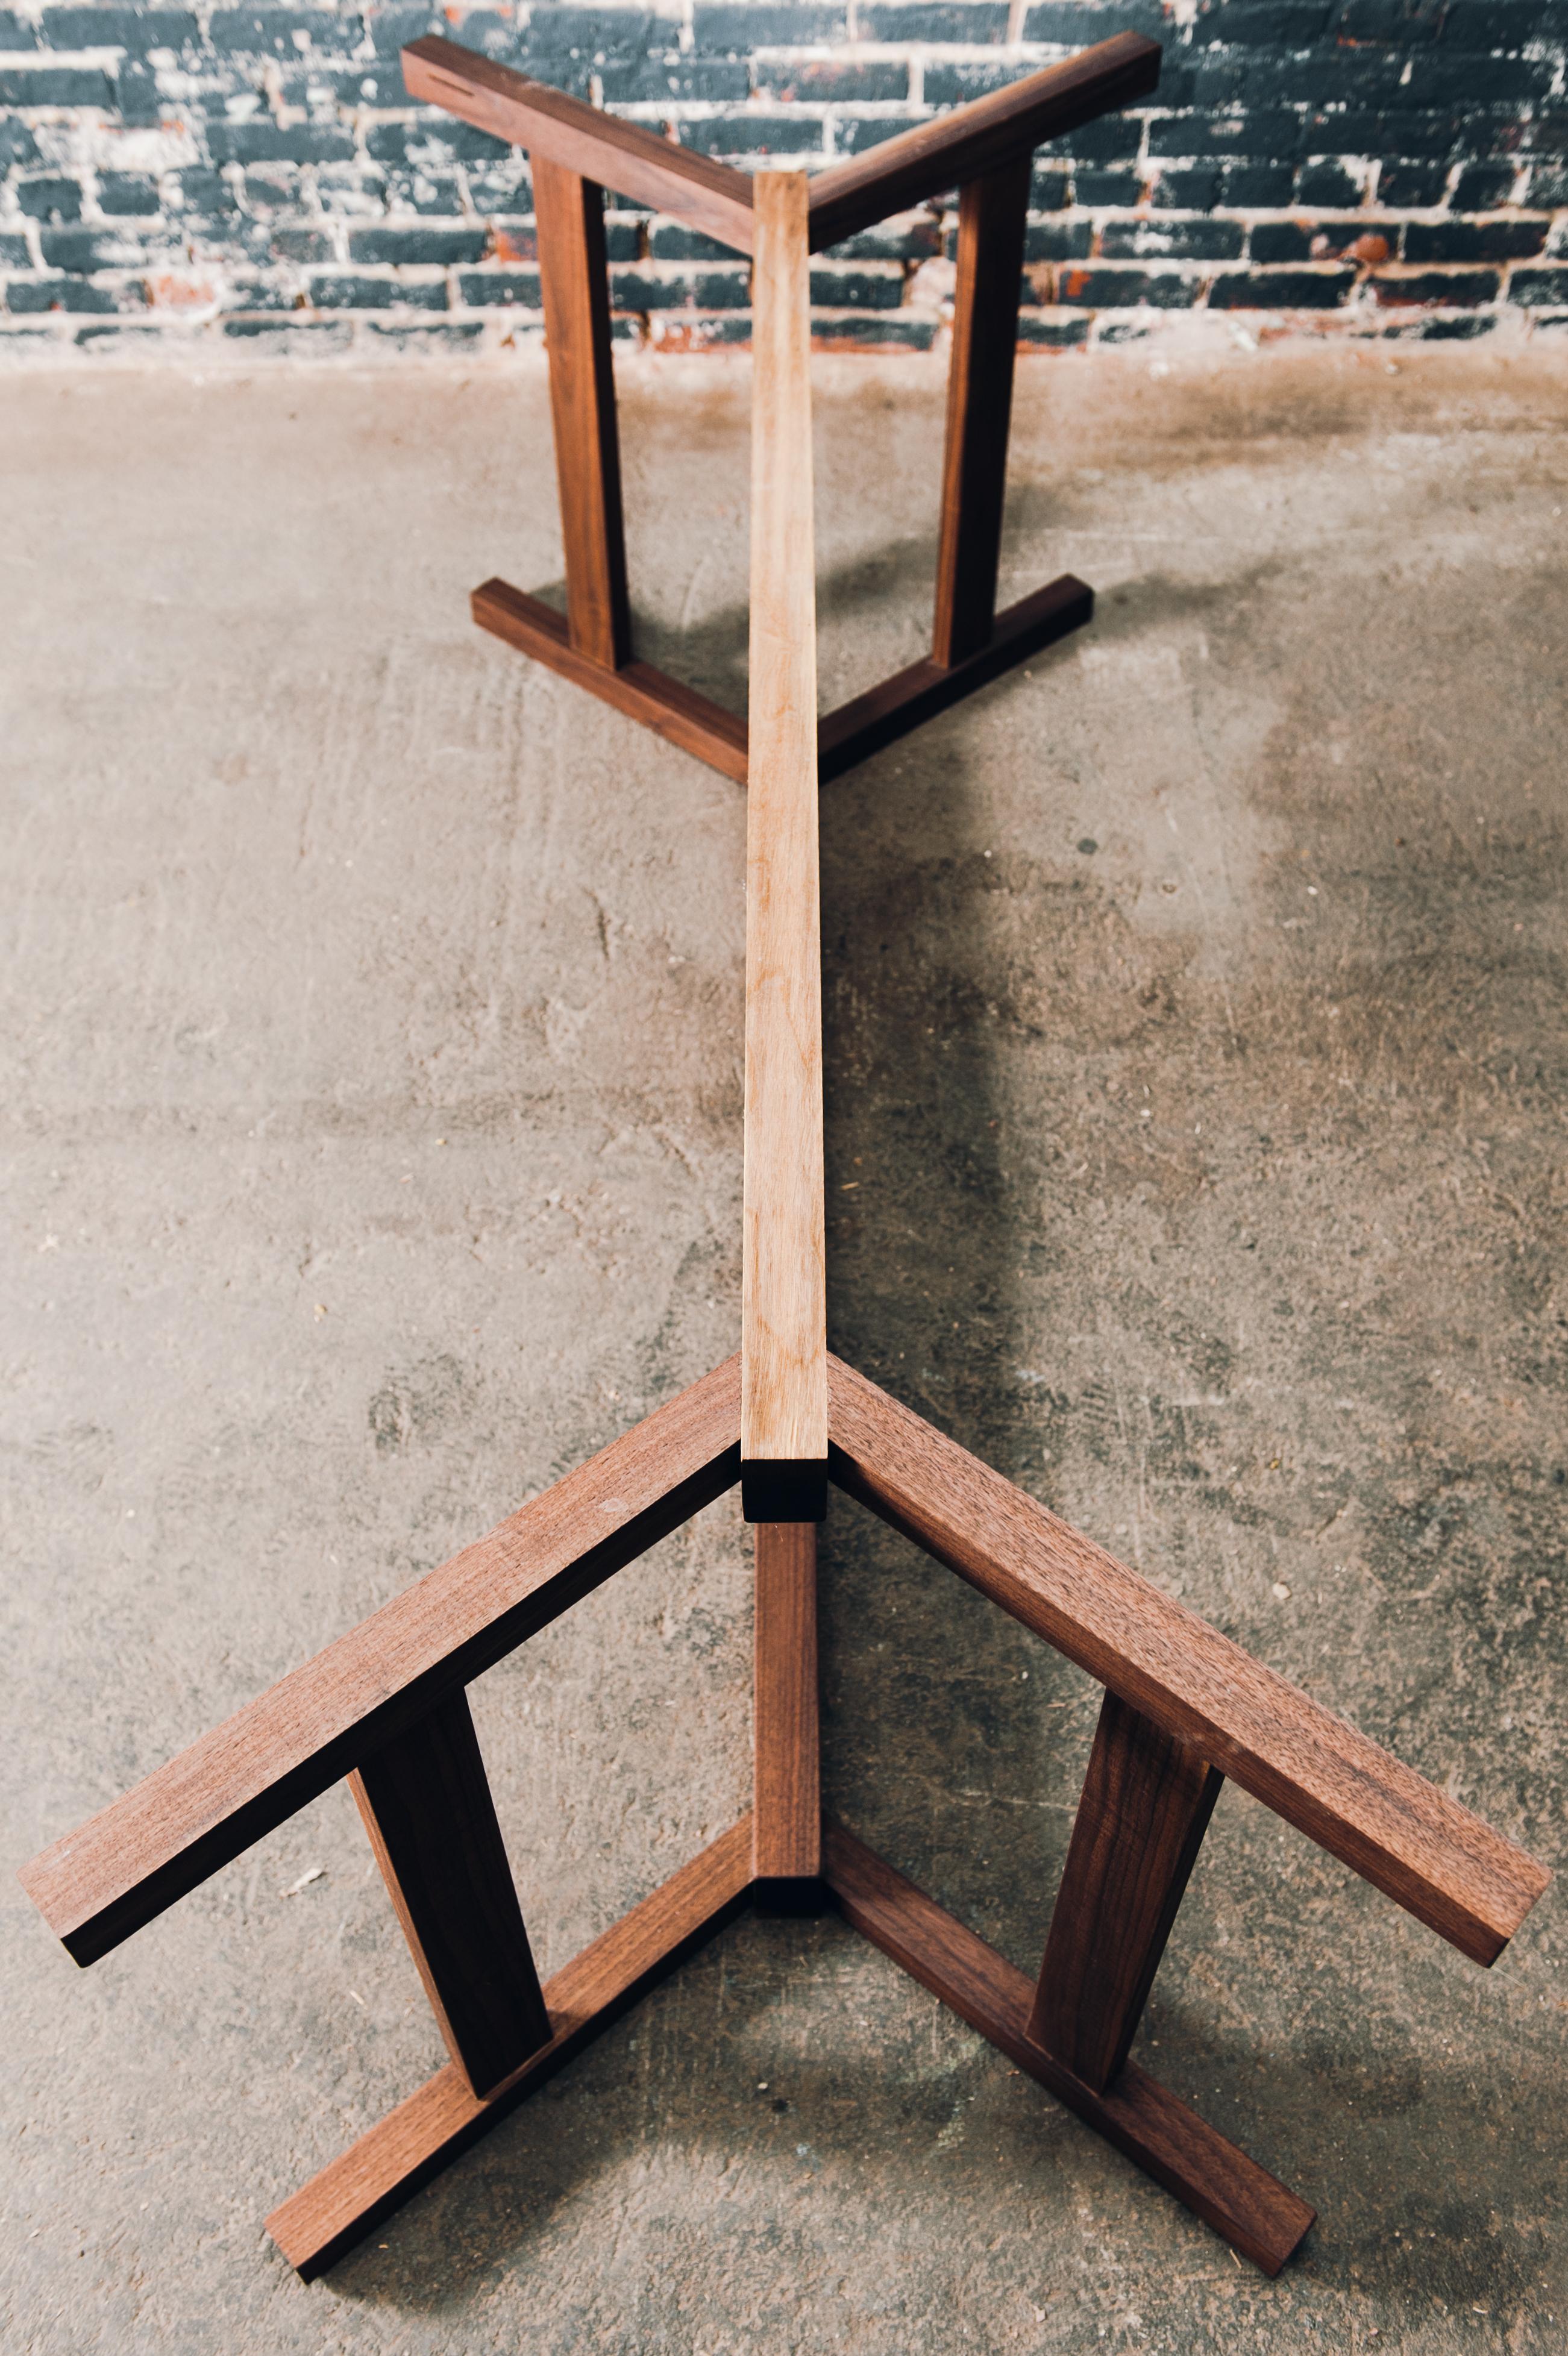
372 1139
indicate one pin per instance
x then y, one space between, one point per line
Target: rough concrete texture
373 1121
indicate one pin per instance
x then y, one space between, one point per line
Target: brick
1492 24
1481 187
84 251
426 144
857 290
14 254
1057 241
969 21
1252 188
244 293
1457 240
1055 335
201 191
917 240
1548 185
1405 22
673 242
602 34
1111 139
755 134
1268 134
1358 240
1464 330
16 32
296 334
1329 185
1094 289
1413 187
440 247
1192 188
1101 188
1050 191
1539 290
412 335
296 241
392 28
281 32
824 81
17 144
1444 78
499 289
272 143
955 84
137 31
1078 24
1446 286
716 80
875 331
47 85
127 192
26 295
1282 290
347 292
857 133
51 199
1275 23
1185 240
736 30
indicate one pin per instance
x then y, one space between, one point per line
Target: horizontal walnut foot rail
1184 1706
684 716
985 151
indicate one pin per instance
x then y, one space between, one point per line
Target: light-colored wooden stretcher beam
783 1344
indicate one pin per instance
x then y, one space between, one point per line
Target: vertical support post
787 1808
427 1807
570 222
783 1333
992 217
1146 1804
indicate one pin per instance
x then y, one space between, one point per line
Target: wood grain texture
634 161
569 217
425 1801
1254 2211
787 1803
944 154
885 712
386 2167
783 1346
136 1856
1433 1856
659 702
1146 1806
992 216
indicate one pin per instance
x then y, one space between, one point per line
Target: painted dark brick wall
1361 168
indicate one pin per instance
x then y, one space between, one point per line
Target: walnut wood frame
384 1708
1184 1706
986 150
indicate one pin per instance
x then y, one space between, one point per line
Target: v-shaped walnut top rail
717 200
1436 1859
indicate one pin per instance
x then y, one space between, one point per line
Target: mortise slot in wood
1146 1804
1430 1855
1254 2211
787 1808
321 2223
426 1804
783 1345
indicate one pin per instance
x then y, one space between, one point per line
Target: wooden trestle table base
384 1707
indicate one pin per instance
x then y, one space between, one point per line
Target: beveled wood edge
392 2160
932 157
850 734
1258 2215
97 1884
1473 1888
627 157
